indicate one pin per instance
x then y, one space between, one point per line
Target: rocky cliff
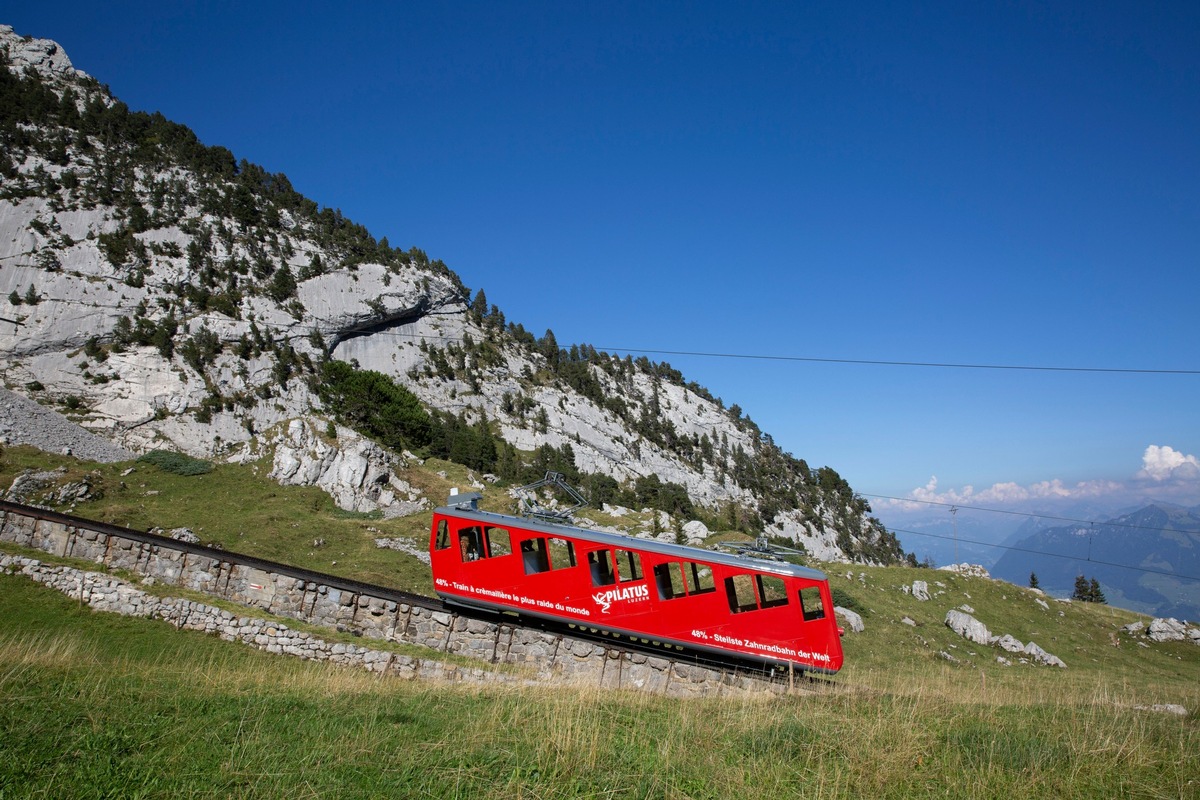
163 295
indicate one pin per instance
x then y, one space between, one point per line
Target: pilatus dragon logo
631 593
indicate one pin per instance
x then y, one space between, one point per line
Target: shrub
176 463
846 600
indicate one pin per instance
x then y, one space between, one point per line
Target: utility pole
954 517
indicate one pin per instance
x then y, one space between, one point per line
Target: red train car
771 612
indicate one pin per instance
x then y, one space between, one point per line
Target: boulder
967 627
920 590
1042 657
1167 630
1009 643
852 620
970 570
695 531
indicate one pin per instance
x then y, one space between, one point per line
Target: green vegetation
98 705
1088 591
238 508
376 405
119 707
176 463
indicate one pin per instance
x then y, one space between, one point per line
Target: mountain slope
167 295
1127 555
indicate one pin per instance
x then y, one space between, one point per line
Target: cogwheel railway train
770 612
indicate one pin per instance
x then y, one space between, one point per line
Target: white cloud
1166 474
1166 463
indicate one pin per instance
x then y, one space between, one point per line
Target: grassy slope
93 705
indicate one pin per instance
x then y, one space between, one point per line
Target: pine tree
479 307
1033 581
1088 591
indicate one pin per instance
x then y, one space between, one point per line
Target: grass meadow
95 706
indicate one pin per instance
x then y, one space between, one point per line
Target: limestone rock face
821 545
695 531
42 55
185 315
356 472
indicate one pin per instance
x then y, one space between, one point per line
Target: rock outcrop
851 619
975 631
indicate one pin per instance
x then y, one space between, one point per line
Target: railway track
618 643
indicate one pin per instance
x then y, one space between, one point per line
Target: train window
629 565
600 565
669 580
771 591
498 542
443 534
740 591
533 554
699 578
470 544
810 602
562 554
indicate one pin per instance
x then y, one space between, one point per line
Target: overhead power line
872 362
861 361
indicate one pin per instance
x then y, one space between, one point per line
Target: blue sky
972 183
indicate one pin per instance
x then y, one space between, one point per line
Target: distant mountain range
1147 560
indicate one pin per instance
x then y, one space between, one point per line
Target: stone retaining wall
106 593
547 655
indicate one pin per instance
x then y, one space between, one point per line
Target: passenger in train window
468 543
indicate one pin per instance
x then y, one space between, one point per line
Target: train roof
466 509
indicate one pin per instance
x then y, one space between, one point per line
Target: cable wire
861 361
1089 559
871 362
